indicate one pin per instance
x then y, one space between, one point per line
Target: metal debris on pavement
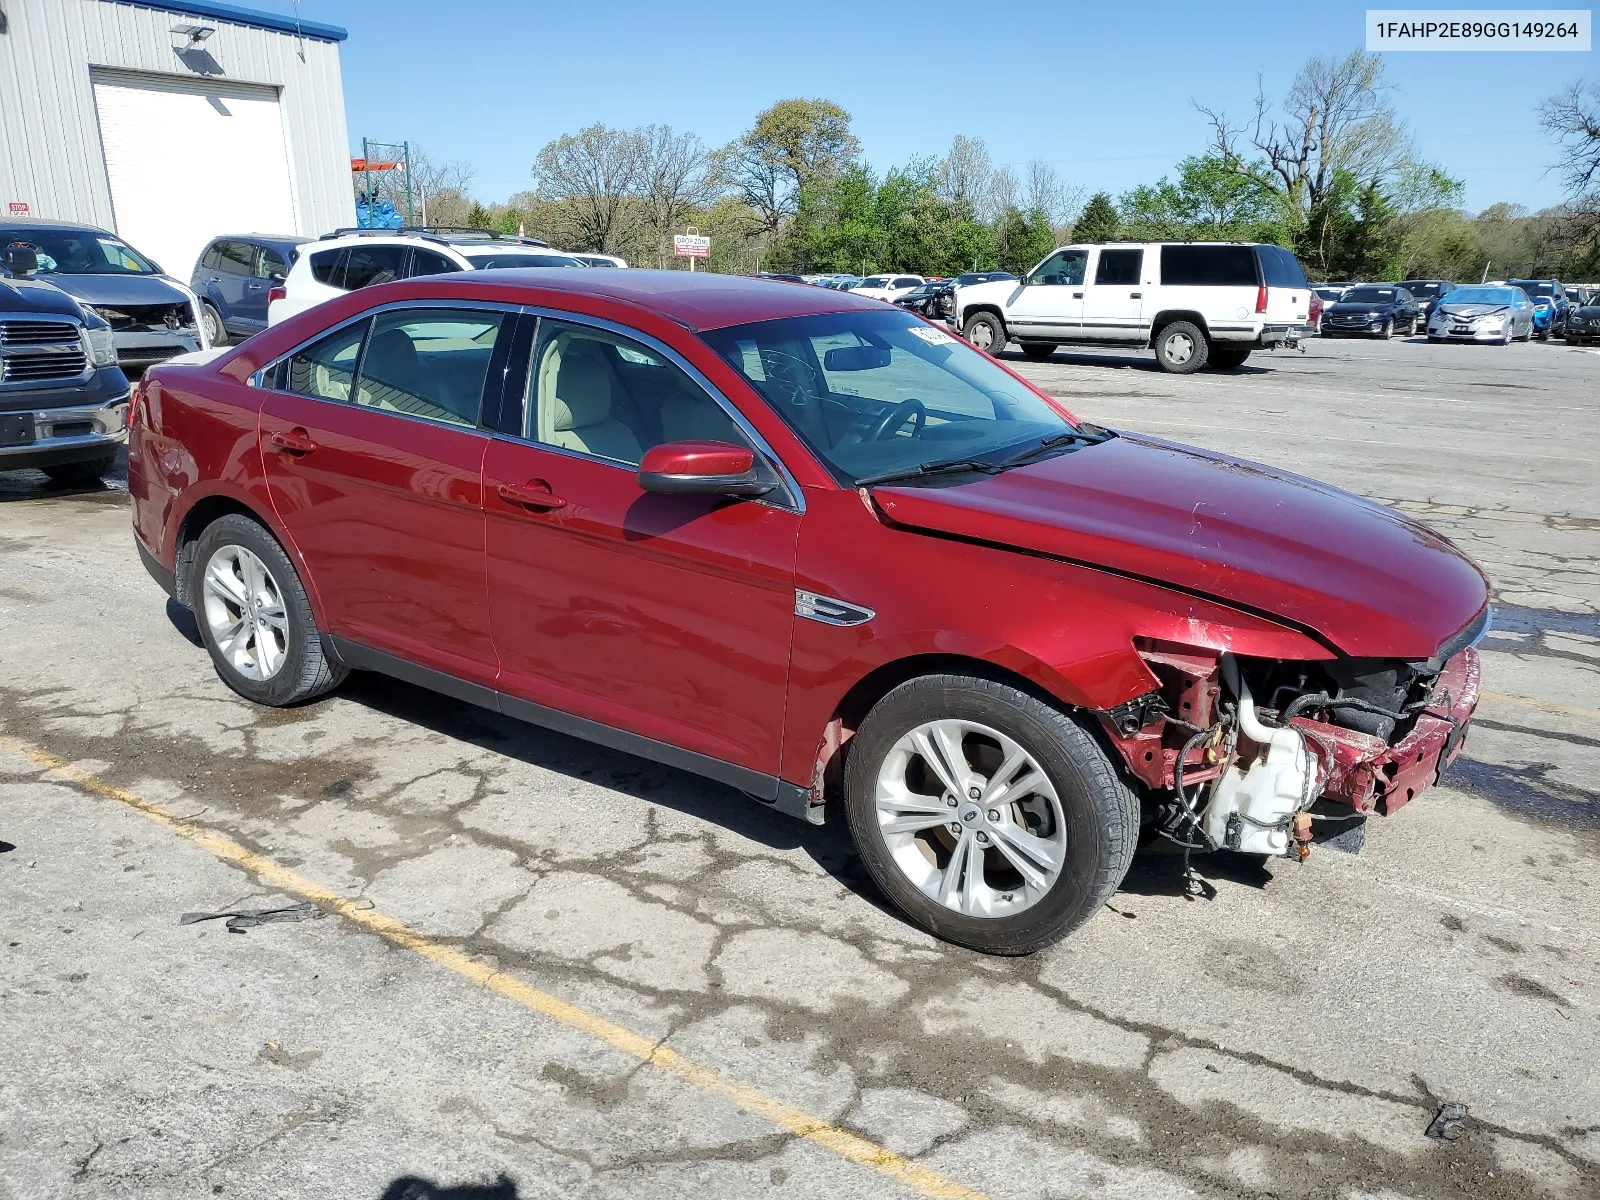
242 920
1447 1125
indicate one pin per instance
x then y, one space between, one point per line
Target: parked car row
1502 311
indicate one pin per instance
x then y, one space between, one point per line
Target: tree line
1328 170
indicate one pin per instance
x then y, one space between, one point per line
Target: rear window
1420 289
1209 266
325 267
1280 268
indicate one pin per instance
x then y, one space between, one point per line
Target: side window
429 362
236 258
1119 266
907 283
271 264
210 260
327 266
325 369
368 265
426 262
1064 268
1209 266
598 393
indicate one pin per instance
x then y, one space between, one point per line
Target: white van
1193 302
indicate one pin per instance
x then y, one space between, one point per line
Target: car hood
1471 310
1370 582
1343 306
114 290
32 295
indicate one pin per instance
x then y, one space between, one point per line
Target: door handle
253 286
1077 295
535 493
213 279
1135 295
296 442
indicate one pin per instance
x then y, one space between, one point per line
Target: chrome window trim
796 497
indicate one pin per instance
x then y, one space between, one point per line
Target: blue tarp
379 214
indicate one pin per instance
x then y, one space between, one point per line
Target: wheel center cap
970 815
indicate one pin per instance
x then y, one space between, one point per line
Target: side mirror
702 468
21 259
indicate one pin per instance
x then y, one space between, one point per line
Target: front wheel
216 331
1181 348
1038 351
255 618
988 817
987 332
1387 331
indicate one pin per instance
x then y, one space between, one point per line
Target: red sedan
811 546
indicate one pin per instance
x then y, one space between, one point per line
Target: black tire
215 329
1227 356
1168 345
81 474
1101 812
1387 331
986 331
306 671
1038 351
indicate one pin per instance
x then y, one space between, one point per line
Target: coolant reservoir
1254 802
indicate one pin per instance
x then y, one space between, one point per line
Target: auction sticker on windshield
1478 29
934 337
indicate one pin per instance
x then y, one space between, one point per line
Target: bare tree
1046 192
1336 118
1572 118
962 176
441 191
1004 192
594 174
677 175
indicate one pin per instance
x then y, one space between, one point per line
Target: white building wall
50 154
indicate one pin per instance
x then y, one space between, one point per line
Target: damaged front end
1265 756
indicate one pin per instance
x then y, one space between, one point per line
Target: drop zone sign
691 245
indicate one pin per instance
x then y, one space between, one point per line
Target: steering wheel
890 422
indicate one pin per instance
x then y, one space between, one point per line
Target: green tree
1214 198
478 217
1021 240
792 146
1098 222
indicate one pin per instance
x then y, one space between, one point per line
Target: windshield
1482 295
494 262
1533 287
1422 290
80 252
878 392
876 281
1370 295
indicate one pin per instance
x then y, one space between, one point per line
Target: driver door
1048 305
666 616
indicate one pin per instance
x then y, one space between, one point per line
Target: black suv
63 400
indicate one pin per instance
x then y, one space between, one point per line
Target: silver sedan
1482 314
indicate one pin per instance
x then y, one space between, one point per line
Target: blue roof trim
244 16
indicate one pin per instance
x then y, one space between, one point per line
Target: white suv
887 287
1193 302
348 259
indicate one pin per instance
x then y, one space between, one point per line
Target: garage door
189 161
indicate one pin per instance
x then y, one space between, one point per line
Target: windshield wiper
948 466
1087 435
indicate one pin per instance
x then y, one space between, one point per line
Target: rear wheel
1038 351
987 332
1225 356
81 474
254 616
987 816
1181 348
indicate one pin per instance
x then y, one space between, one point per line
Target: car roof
44 223
291 239
693 299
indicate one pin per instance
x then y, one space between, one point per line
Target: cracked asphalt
1292 1037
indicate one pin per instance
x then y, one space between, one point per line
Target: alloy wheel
245 613
970 818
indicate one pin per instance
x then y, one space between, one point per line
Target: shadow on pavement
411 1187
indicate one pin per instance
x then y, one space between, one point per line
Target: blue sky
1101 90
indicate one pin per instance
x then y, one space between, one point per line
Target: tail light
277 293
1261 299
1314 312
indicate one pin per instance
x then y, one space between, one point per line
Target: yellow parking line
801 1124
1541 705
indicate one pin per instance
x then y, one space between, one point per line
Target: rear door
236 265
1288 293
1113 305
374 459
269 267
1048 305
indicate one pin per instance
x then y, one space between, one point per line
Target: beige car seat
391 378
574 403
